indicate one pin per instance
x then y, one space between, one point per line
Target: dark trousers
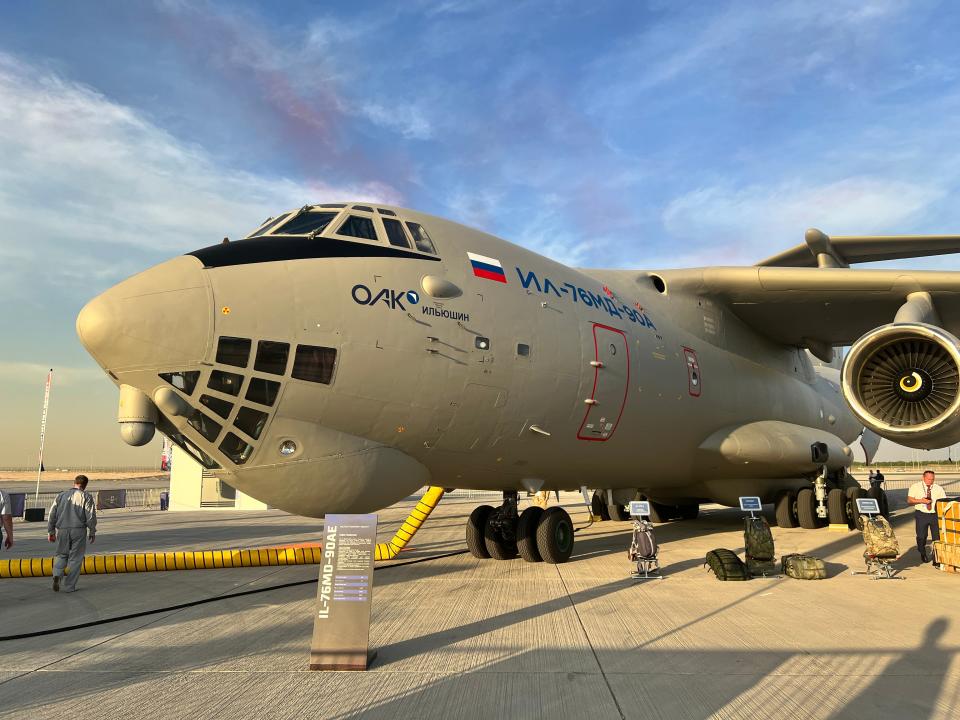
924 521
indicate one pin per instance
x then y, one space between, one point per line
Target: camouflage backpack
879 537
803 567
757 539
726 565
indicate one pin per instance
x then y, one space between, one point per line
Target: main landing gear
831 500
536 535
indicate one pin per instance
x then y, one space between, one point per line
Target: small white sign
640 508
751 504
868 506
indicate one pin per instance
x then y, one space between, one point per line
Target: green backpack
803 567
726 565
757 539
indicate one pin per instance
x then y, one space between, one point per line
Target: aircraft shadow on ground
838 684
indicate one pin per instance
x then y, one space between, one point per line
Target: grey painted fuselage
556 378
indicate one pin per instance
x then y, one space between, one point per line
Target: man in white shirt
923 496
6 519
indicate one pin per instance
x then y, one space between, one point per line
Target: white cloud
745 224
83 172
408 120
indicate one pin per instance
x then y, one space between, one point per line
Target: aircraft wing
811 307
822 250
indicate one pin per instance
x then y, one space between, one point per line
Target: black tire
499 547
853 515
689 511
555 536
660 513
598 507
807 509
837 506
784 509
884 504
527 533
475 527
618 512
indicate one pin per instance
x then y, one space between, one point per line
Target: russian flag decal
487 267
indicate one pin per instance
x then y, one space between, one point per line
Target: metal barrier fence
142 498
903 481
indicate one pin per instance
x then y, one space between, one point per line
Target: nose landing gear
537 535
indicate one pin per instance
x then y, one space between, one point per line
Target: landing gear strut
537 535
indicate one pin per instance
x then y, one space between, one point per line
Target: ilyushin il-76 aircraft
344 355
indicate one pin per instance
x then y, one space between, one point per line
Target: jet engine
903 382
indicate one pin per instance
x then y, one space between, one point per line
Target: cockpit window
395 233
336 205
306 223
185 381
384 211
269 224
233 351
421 239
358 226
364 208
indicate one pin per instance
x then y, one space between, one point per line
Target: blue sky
627 134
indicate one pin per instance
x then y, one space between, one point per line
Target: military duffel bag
761 568
726 565
803 567
757 539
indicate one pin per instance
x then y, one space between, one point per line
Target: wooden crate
947 555
948 518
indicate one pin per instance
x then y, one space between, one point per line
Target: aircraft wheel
880 495
499 545
598 507
555 536
807 509
785 510
527 533
837 506
689 511
660 513
475 527
618 512
854 521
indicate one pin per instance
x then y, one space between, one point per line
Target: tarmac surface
460 637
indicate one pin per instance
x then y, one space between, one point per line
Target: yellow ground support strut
417 517
153 562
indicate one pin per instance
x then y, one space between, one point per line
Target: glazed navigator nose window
272 357
314 363
233 351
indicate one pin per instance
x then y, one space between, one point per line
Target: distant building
193 487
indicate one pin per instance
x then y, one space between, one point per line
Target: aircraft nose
159 318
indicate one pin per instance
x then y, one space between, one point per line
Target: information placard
341 623
868 506
640 508
750 503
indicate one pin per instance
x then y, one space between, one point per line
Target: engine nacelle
903 382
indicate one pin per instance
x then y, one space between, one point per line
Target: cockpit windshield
306 223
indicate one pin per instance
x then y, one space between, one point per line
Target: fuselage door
610 372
